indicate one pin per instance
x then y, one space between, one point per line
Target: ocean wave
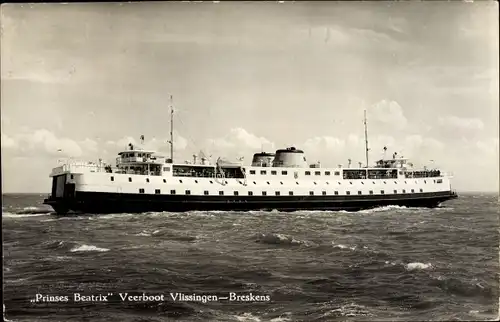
463 287
247 317
89 248
417 266
280 239
342 246
348 310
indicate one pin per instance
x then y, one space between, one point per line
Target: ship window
72 177
311 193
277 193
395 191
254 182
211 181
157 191
338 182
359 192
371 192
317 173
337 173
195 181
425 181
188 192
395 182
221 193
273 172
385 182
327 182
315 182
112 178
205 192
141 190
382 192
262 171
281 182
327 173
412 190
250 193
347 192
252 171
172 192
401 172
166 169
421 190
290 193
404 191
362 182
323 193
180 181
416 181
373 182
440 181
268 182
350 182
405 182
336 193
236 193
296 182
264 193
129 179
308 173
147 179
284 173
164 180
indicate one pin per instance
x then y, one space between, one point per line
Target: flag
385 148
142 137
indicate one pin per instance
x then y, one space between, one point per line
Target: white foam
417 265
384 208
11 215
89 248
247 317
341 246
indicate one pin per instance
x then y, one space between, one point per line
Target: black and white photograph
250 161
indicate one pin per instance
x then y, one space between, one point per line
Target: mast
366 140
171 130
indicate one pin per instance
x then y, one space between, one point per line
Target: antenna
171 130
366 140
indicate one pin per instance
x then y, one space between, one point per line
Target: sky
89 78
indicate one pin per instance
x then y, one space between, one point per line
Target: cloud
324 142
488 147
180 143
390 113
464 124
8 142
42 142
89 145
46 141
240 138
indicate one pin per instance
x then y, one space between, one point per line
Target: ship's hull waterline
101 203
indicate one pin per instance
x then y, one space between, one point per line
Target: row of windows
284 172
281 182
277 193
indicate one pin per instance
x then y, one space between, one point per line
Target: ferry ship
143 181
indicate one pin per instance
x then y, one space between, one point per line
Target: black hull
99 203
